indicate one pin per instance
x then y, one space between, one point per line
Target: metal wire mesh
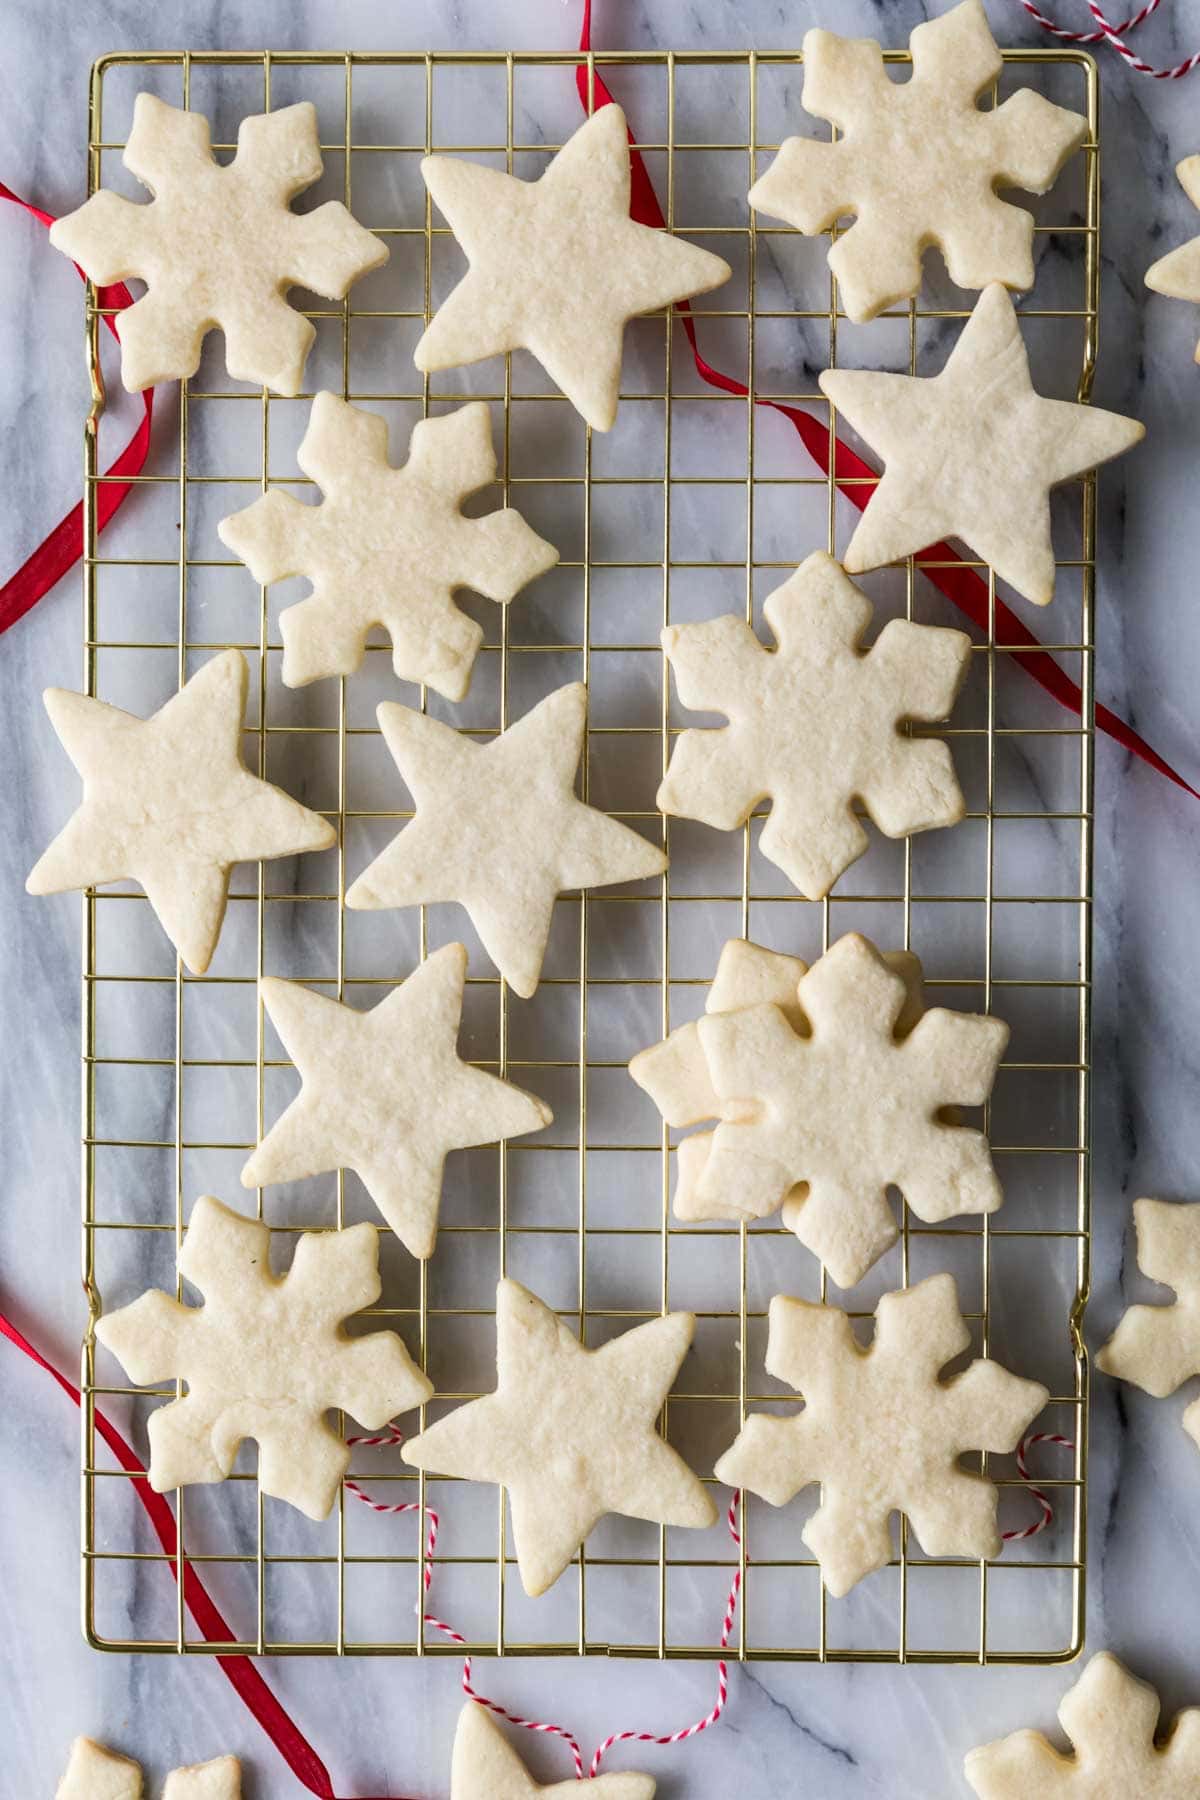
697 501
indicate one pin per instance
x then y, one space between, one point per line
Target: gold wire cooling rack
695 501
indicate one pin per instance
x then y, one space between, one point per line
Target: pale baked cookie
385 1093
388 546
570 1433
1110 1717
557 266
498 828
486 1767
168 802
972 453
815 724
1158 1347
1178 272
218 246
880 1432
94 1773
918 162
266 1357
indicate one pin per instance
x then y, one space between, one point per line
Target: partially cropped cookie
388 546
96 1773
1158 1347
218 246
815 724
1178 272
486 1767
266 1357
918 162
880 1431
570 1432
557 266
168 802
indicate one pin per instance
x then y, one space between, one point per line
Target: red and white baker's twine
1108 33
394 1437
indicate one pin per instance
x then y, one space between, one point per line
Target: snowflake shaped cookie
557 265
266 1357
917 162
880 1432
388 546
1158 1347
1178 273
486 1767
218 246
815 724
95 1773
1110 1717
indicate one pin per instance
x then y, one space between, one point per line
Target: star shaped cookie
1178 272
96 1773
498 828
486 1767
570 1433
557 266
386 1094
973 452
168 802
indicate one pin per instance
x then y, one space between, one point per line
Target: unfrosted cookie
386 1094
1178 272
815 724
486 1767
95 1773
499 828
266 1357
388 546
1158 1347
168 802
571 1433
880 1432
972 453
1110 1717
918 162
557 265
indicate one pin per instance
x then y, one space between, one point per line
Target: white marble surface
848 1732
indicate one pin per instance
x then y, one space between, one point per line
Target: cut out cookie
972 453
557 266
918 162
1158 1347
94 1773
168 802
218 246
386 1094
1110 1717
880 1432
388 546
498 828
815 724
570 1433
1177 274
486 1767
266 1357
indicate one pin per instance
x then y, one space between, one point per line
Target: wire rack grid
998 907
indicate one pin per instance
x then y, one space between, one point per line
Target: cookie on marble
1177 274
96 1773
168 802
570 1432
815 724
388 546
881 1432
557 266
972 453
486 1767
266 1357
917 162
1158 1347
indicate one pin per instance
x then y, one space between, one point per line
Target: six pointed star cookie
168 802
498 827
218 246
386 1094
918 162
1110 1717
96 1773
1158 1347
570 1433
973 452
1178 273
486 1767
880 1432
388 546
815 724
557 265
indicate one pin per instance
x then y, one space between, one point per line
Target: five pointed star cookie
96 1773
218 245
386 1094
1178 272
1158 1347
557 265
570 1433
168 802
972 452
486 1767
498 827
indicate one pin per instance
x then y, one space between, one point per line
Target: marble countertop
837 1733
